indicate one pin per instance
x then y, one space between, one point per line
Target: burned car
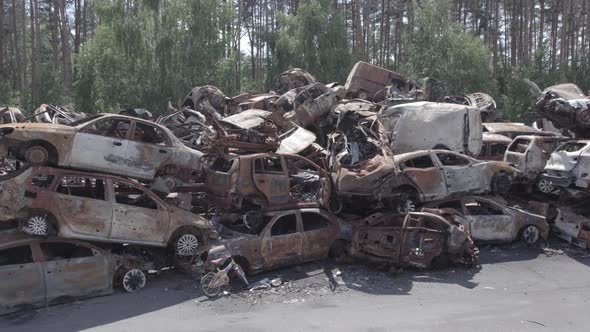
266 182
572 224
98 207
365 81
277 239
292 79
417 239
426 125
56 114
40 272
566 106
529 154
569 167
489 220
11 115
107 143
511 130
482 101
438 174
493 147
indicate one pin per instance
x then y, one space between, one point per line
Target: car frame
129 147
85 206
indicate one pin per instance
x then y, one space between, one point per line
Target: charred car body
112 144
489 220
569 167
98 207
418 239
36 273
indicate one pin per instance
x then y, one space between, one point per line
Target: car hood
40 127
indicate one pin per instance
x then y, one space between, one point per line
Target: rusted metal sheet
366 80
292 79
268 181
425 125
493 147
416 239
261 242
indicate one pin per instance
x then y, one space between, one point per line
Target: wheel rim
207 279
134 280
37 155
530 234
36 225
187 245
584 117
544 186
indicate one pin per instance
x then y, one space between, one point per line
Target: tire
545 186
38 224
133 280
407 202
583 117
501 183
37 155
335 205
530 234
187 243
205 281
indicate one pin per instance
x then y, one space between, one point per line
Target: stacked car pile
303 172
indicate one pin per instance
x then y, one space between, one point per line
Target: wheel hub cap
134 280
36 226
37 155
187 245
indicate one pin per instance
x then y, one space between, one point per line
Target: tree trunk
65 44
34 64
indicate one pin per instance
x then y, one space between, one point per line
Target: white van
426 125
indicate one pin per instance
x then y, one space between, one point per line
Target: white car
569 165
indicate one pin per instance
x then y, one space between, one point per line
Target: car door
74 270
319 233
83 205
101 145
22 279
461 174
424 238
427 175
272 180
282 242
137 215
488 221
517 153
148 149
309 185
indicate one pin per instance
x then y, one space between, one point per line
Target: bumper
558 181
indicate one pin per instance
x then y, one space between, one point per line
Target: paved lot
516 289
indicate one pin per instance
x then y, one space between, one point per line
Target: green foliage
438 48
150 54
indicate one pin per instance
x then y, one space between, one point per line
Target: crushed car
426 125
56 114
417 239
439 174
11 115
367 81
572 223
529 154
40 272
489 220
113 144
98 207
566 106
292 79
511 130
271 240
482 101
266 182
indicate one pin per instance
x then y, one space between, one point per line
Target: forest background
104 55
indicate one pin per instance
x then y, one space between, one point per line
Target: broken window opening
479 208
149 134
304 180
498 149
16 255
129 195
110 127
221 165
313 221
571 147
82 187
62 250
519 146
284 225
419 162
268 165
448 159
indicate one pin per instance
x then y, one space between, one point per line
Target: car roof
487 137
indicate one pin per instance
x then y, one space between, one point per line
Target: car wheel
501 183
38 225
583 117
335 206
545 186
37 155
407 202
530 234
186 244
133 280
